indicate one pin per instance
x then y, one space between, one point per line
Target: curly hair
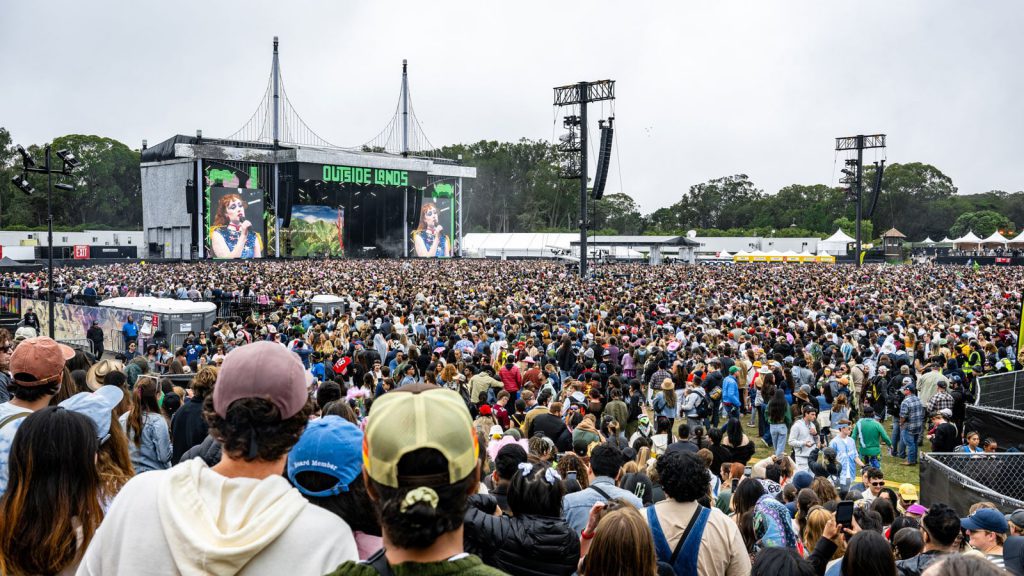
683 476
203 382
254 430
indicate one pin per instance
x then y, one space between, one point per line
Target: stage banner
362 176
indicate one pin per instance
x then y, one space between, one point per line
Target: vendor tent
835 244
741 256
790 256
827 258
1018 239
928 240
805 257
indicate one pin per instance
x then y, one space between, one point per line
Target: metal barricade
1000 391
960 480
83 344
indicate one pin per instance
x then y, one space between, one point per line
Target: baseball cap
39 361
1016 518
986 519
331 446
734 369
908 492
263 370
416 417
917 509
97 406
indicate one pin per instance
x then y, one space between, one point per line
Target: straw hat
98 372
667 384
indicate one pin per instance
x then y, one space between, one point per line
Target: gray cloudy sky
705 89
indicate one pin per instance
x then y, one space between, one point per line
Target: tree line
108 189
518 189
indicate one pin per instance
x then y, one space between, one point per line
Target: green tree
913 199
720 203
618 212
849 225
983 223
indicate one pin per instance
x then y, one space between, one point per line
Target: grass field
895 474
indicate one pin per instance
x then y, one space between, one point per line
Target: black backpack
702 407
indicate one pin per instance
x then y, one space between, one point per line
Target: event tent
928 240
996 239
1018 239
967 242
835 244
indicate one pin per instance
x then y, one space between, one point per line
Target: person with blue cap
326 466
987 529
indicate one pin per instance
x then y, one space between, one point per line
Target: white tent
967 241
835 244
946 240
928 240
1019 239
996 239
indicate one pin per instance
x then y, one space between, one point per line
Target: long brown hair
221 216
114 462
144 401
622 546
49 489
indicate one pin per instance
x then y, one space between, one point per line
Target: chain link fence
962 480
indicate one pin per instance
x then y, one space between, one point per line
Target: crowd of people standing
485 418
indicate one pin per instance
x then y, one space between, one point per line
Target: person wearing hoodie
240 516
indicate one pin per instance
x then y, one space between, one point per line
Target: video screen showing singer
429 238
231 235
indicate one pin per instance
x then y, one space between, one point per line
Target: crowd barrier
1003 425
1000 391
962 480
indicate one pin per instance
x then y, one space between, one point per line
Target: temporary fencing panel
962 480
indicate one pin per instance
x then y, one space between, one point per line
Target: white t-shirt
7 438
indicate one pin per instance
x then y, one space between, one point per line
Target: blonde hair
817 518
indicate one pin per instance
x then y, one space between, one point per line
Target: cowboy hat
98 373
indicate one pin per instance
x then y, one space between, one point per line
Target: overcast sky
705 89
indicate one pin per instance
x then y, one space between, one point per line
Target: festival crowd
480 417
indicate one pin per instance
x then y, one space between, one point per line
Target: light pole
29 165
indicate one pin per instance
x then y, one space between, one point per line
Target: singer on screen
429 236
230 228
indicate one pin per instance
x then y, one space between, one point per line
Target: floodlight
23 184
70 162
26 158
67 187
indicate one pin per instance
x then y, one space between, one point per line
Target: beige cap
415 417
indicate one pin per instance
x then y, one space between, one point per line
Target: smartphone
735 483
844 514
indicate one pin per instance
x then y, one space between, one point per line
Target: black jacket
188 428
520 545
552 427
945 439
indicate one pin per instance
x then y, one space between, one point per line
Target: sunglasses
6 348
882 483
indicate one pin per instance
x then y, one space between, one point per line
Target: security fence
1001 390
961 480
1004 426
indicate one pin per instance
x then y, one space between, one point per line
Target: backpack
702 407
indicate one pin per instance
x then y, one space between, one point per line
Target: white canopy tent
967 242
995 240
928 240
835 244
1016 240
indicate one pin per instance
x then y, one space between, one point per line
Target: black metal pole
583 178
49 241
860 168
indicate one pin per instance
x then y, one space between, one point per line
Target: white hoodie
190 520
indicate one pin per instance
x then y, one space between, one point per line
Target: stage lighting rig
23 184
70 162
